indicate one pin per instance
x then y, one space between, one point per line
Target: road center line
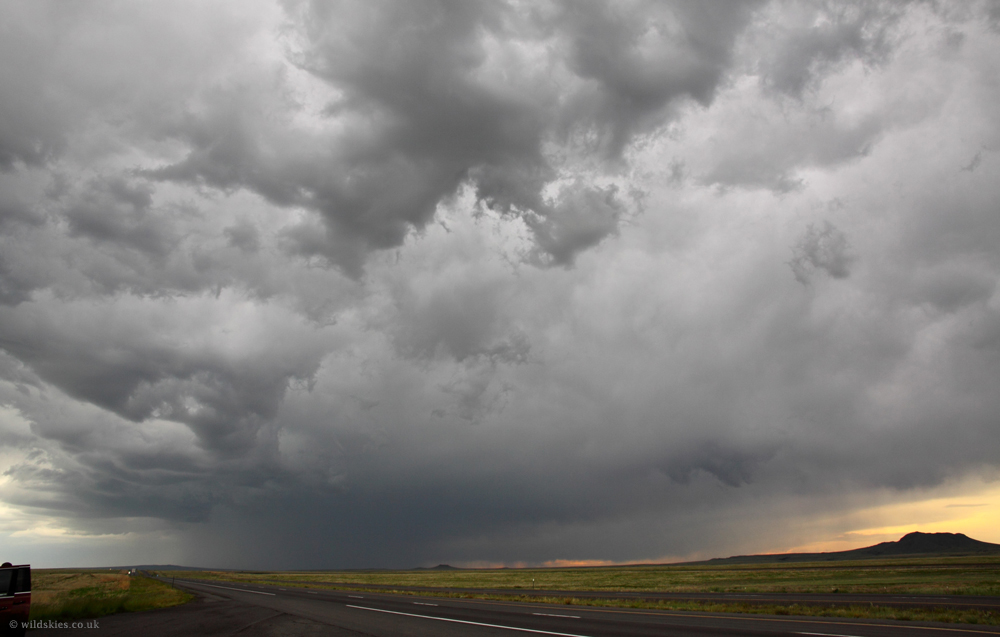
242 590
826 634
551 615
424 604
461 621
356 596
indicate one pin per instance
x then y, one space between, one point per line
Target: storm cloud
492 282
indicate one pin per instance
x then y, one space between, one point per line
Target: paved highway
813 599
385 615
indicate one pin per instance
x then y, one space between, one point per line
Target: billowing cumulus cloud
415 100
469 282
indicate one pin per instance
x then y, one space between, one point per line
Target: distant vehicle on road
15 598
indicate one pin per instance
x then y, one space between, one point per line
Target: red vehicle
15 598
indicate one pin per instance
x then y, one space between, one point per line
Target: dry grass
858 611
938 576
79 594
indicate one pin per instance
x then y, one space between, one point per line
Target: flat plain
740 588
948 575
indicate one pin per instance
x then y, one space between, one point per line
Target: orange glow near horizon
972 508
581 563
974 512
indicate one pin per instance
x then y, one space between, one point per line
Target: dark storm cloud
732 467
137 374
14 211
429 102
102 488
575 335
117 212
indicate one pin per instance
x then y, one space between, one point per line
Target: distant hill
439 567
910 545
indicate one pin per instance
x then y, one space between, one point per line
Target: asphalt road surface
955 602
274 611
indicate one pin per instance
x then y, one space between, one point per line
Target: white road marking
826 634
242 590
424 604
281 589
356 596
460 621
551 615
312 592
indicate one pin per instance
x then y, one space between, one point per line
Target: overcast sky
357 284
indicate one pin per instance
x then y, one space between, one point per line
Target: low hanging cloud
490 282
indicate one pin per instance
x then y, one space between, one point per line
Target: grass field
857 611
62 594
936 575
940 575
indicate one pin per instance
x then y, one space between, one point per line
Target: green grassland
978 575
68 594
